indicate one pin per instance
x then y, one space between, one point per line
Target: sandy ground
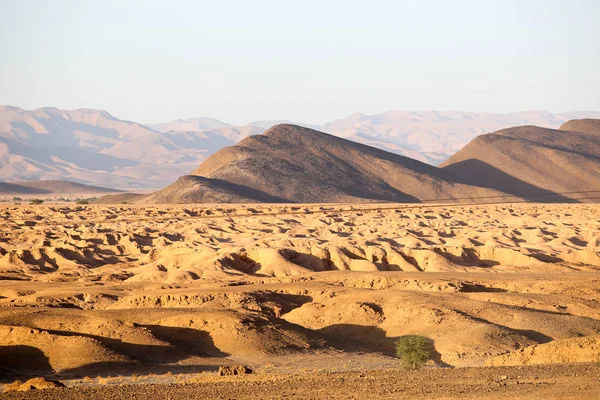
549 382
310 296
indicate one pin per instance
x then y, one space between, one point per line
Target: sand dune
114 290
82 242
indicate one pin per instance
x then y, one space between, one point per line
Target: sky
308 61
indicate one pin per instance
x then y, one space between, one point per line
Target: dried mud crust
533 382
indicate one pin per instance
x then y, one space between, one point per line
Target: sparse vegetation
414 351
17 198
86 200
103 381
36 201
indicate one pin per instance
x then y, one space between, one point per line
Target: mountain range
290 163
530 160
94 147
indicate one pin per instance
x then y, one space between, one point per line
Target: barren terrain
312 295
95 147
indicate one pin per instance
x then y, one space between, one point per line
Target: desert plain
136 301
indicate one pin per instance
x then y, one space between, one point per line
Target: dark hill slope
296 164
529 160
51 187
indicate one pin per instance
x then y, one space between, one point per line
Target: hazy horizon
283 119
152 62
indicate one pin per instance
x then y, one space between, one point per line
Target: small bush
86 200
414 351
17 198
36 201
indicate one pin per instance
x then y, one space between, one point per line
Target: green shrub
36 201
82 201
17 198
414 351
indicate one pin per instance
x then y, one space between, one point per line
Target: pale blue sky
310 61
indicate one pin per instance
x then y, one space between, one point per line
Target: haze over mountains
94 147
51 187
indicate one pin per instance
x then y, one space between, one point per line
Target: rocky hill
295 164
547 164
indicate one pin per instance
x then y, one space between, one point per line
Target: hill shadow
15 188
193 341
19 360
530 334
478 173
183 343
367 339
392 195
245 191
188 351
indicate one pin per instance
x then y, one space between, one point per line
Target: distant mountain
436 135
86 146
534 160
213 127
192 124
50 187
271 123
289 163
94 147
